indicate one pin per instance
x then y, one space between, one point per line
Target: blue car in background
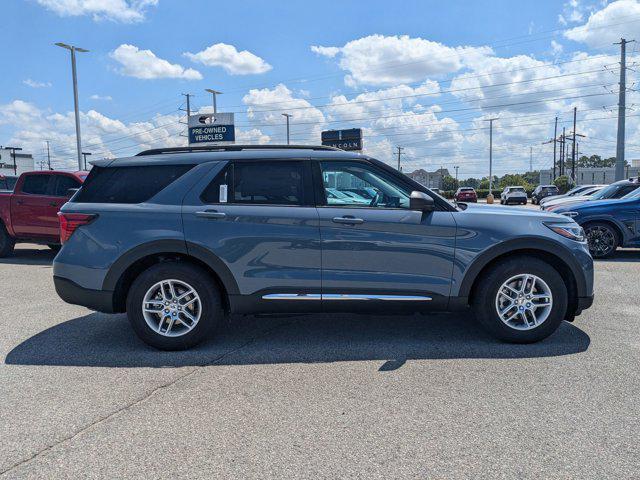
608 224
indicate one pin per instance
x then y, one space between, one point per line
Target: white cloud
105 98
265 106
125 11
145 65
230 59
391 60
556 48
608 25
36 84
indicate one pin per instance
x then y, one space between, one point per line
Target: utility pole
490 120
573 148
622 105
188 95
555 142
73 49
213 93
84 154
13 154
456 167
287 115
563 151
400 149
531 159
48 155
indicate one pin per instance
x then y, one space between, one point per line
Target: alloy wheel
602 240
171 308
524 301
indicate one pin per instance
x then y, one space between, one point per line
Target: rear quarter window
135 184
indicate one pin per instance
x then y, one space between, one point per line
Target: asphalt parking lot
316 396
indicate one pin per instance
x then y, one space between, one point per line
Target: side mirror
421 202
71 192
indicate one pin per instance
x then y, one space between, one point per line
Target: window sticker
223 194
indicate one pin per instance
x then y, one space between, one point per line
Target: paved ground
316 397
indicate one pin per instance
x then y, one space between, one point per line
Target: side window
357 184
36 184
624 190
63 184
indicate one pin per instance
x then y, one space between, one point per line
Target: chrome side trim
345 296
292 296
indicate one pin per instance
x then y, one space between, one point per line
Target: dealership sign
350 139
211 128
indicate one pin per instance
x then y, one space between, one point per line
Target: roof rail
233 148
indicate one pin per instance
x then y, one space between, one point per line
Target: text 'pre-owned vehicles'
609 223
513 195
179 237
30 212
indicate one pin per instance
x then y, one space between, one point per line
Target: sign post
212 128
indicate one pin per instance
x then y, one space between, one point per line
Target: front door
258 218
34 211
377 248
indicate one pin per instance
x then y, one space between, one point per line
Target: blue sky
418 73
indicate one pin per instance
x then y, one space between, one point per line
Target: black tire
6 242
484 299
603 239
54 247
211 304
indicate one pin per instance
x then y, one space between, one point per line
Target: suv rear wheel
521 300
174 306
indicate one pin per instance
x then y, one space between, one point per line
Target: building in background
24 162
429 179
596 175
635 162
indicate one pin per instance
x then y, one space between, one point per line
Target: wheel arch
545 250
609 221
124 271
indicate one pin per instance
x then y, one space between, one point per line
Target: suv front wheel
174 306
521 300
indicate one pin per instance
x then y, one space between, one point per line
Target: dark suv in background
179 237
543 191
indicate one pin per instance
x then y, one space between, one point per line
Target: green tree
449 183
562 183
470 182
514 180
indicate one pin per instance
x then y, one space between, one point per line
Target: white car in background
513 195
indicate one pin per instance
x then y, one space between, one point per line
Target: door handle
348 220
210 214
19 202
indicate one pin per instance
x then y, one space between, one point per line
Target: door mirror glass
421 202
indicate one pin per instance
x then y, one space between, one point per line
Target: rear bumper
71 292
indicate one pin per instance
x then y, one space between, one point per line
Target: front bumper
71 292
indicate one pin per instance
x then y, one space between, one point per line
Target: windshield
633 194
606 192
516 189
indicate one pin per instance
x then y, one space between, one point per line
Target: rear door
383 250
258 218
34 209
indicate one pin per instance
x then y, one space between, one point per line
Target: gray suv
177 238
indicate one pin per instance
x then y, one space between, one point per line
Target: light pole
490 196
13 154
73 49
213 93
456 167
84 154
287 115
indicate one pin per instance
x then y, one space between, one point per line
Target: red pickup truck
30 212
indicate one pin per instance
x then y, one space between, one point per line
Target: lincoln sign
211 128
350 139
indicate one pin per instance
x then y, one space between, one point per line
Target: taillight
69 222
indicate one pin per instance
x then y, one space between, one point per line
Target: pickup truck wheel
6 242
174 306
603 239
521 300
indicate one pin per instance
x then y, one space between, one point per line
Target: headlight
570 231
570 214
